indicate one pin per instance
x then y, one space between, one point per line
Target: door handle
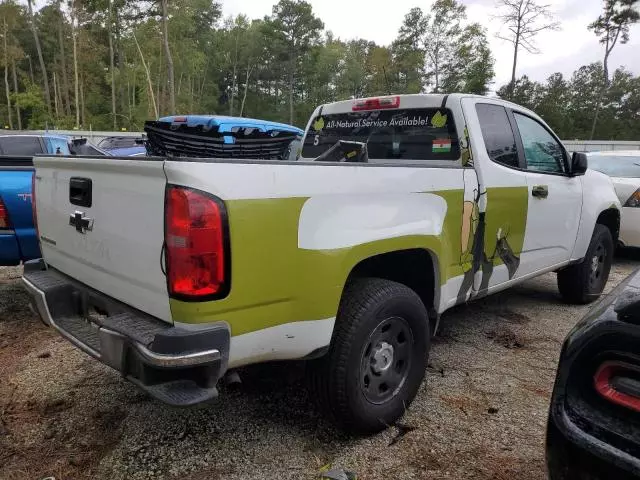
540 191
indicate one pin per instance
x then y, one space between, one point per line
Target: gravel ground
480 414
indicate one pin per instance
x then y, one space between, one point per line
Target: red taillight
4 216
610 373
179 119
378 103
196 248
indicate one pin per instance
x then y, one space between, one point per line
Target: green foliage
568 106
614 22
33 107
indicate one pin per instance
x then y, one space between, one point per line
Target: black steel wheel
386 360
377 358
585 281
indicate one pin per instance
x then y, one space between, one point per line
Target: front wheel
377 358
585 281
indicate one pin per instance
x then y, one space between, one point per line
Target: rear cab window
399 134
497 133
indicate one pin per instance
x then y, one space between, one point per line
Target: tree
296 29
43 68
112 65
470 68
167 52
612 25
524 20
63 59
5 34
553 99
523 92
439 39
408 53
76 83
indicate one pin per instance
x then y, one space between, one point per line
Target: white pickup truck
175 271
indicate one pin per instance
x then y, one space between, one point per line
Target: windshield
408 134
616 165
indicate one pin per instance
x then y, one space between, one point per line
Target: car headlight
634 200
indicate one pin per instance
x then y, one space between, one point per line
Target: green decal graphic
274 282
318 125
467 154
439 120
493 235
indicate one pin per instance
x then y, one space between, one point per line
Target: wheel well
414 268
610 218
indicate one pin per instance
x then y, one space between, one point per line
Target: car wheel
585 281
377 357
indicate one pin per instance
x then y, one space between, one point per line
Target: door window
497 133
542 151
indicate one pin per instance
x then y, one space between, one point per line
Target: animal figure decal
477 262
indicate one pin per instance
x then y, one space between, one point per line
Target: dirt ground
480 414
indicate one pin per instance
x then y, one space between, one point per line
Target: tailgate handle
80 191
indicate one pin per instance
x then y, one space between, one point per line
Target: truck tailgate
101 222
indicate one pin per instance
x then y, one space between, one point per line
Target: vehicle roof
425 100
45 135
616 153
217 120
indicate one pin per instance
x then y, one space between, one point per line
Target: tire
584 282
377 357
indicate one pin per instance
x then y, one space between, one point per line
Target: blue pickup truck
18 239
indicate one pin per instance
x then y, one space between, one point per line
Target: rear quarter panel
298 230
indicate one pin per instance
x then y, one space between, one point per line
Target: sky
561 51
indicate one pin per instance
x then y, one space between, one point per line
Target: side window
541 150
497 133
20 146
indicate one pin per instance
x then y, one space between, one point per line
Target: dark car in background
594 420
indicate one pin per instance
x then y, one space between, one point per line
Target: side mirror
578 164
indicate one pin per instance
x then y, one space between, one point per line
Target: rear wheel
585 281
377 358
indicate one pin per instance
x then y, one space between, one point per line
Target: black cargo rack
167 139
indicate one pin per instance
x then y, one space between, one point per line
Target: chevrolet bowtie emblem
82 223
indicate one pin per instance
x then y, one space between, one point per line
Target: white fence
599 145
